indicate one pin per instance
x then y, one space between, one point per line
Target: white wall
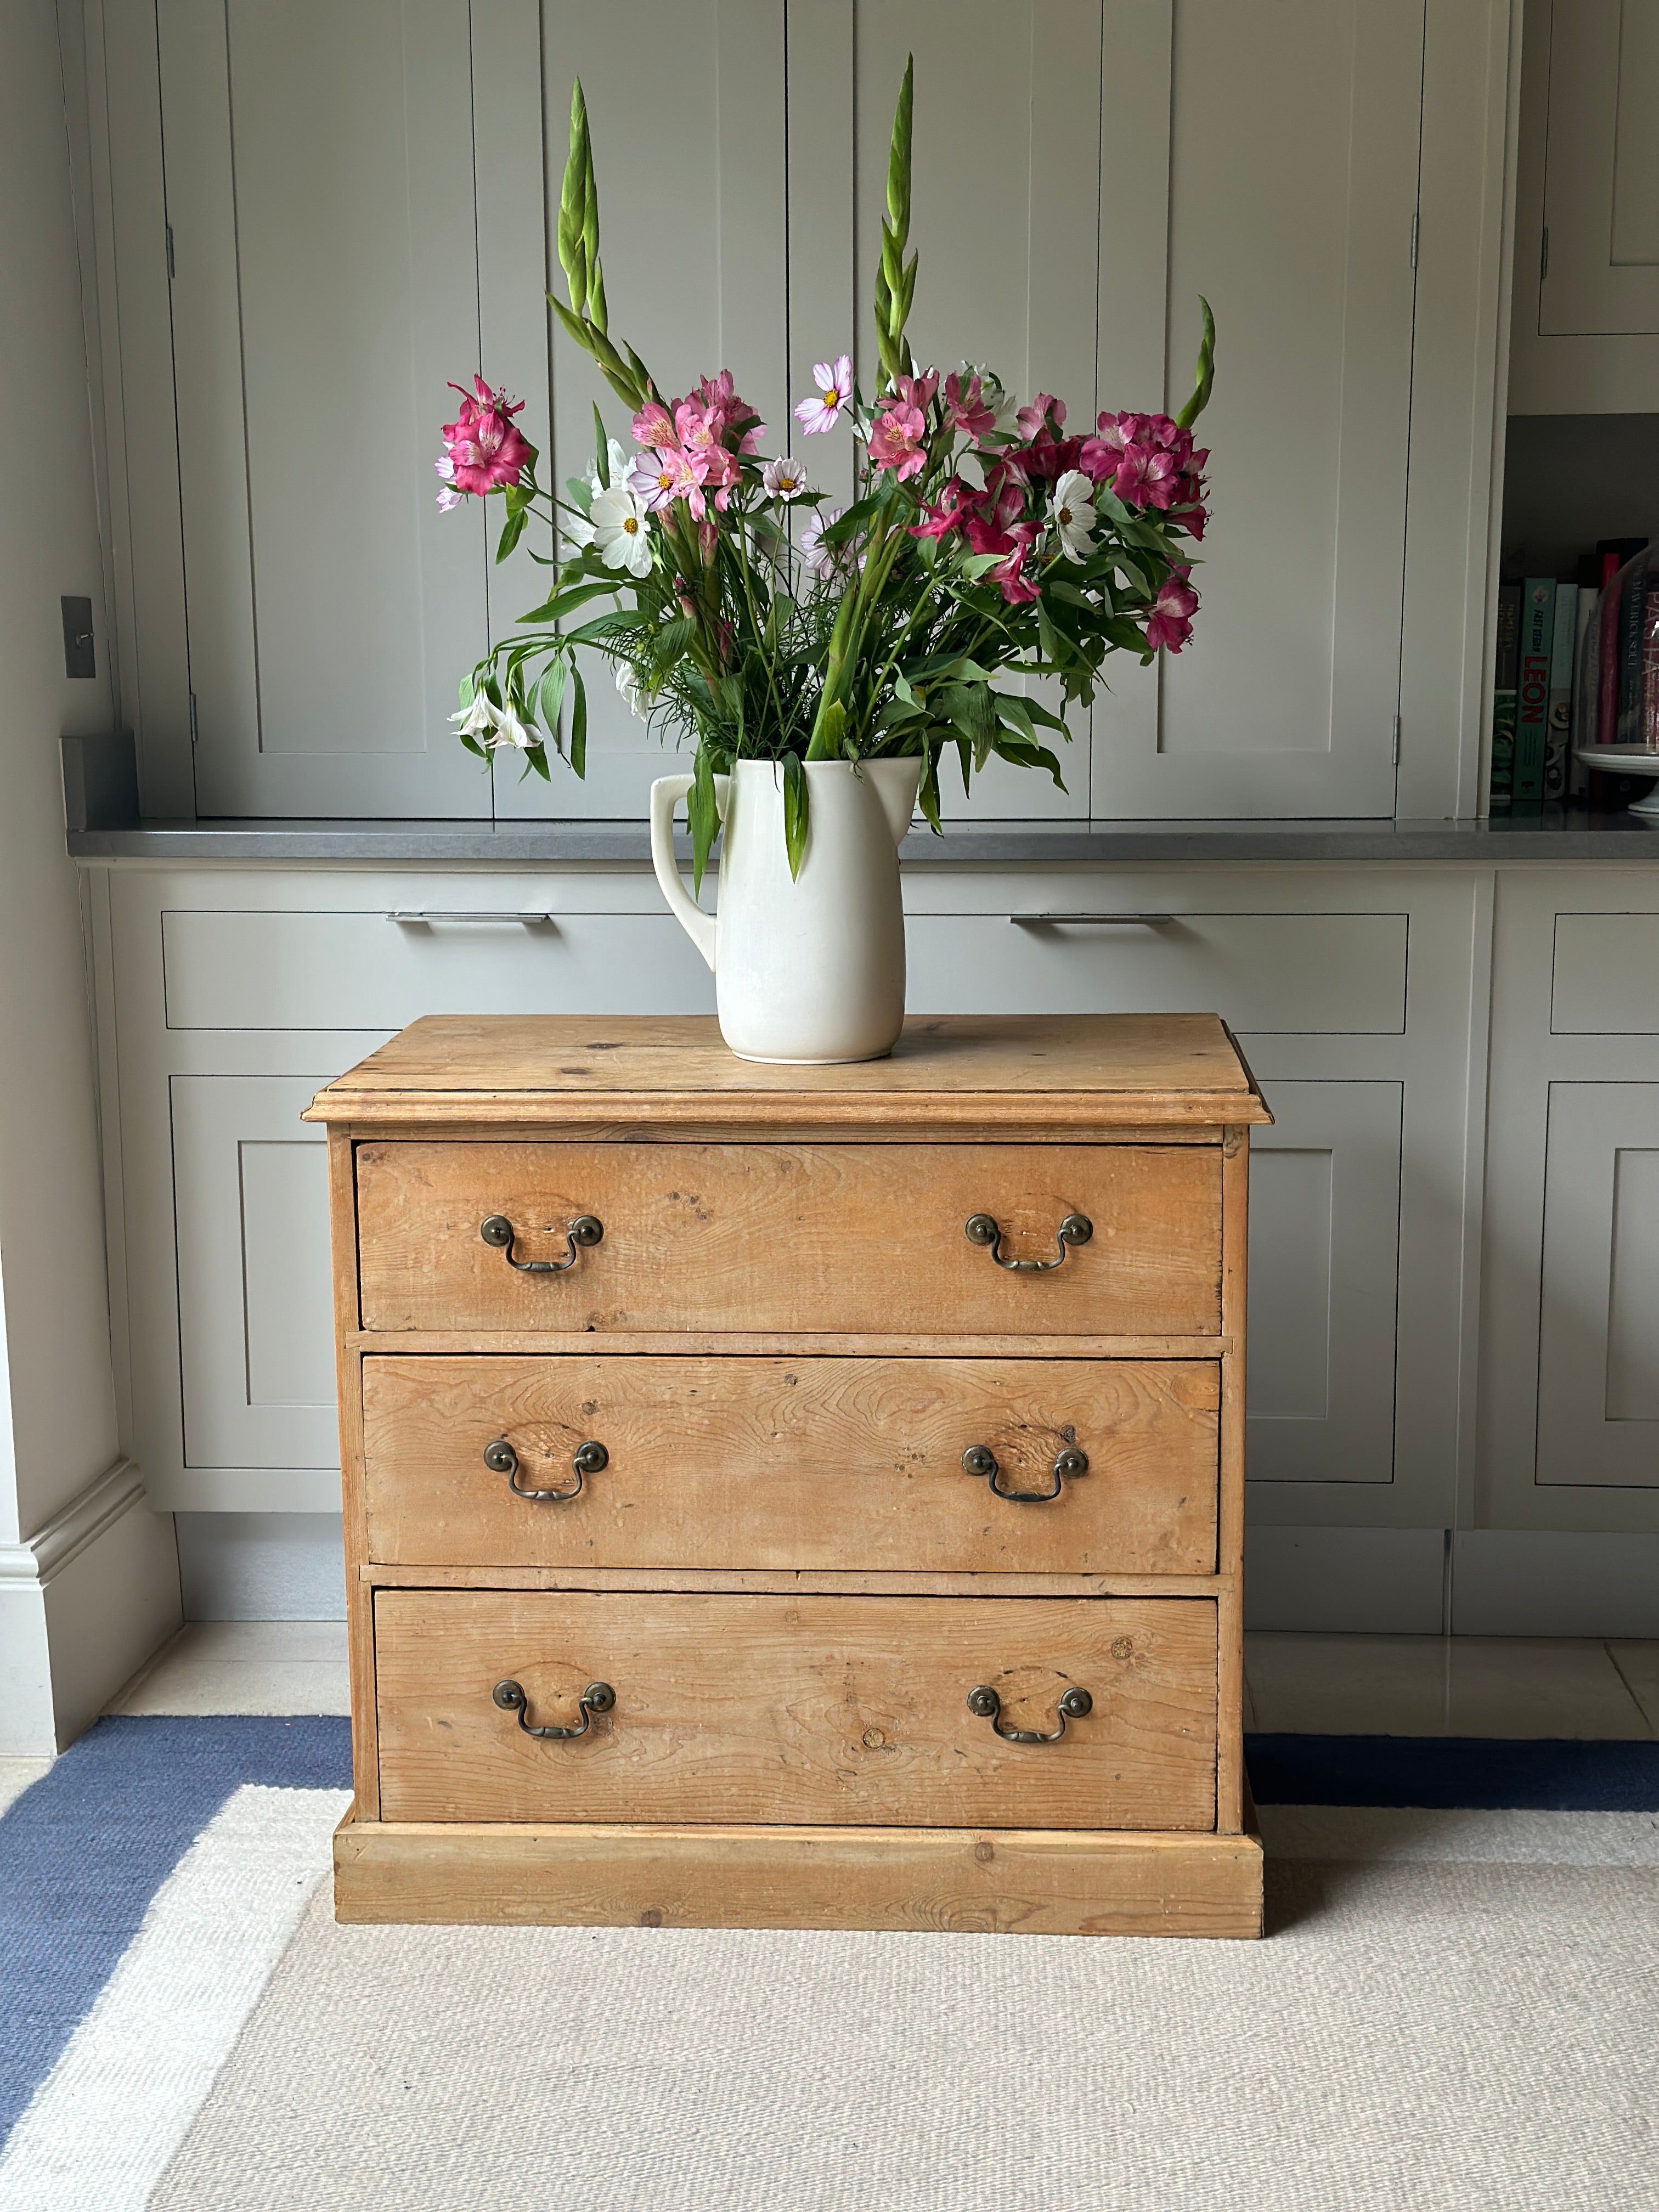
57 1420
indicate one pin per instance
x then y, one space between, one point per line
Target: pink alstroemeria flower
835 382
1146 476
654 426
1171 622
968 410
1010 577
731 410
914 390
956 504
896 440
1045 408
483 446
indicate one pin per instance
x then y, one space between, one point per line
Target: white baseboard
262 1566
1541 1582
83 1603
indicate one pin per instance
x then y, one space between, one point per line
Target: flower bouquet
757 623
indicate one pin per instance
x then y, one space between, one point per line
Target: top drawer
844 1239
1601 982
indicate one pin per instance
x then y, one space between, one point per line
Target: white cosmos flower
620 534
1074 515
577 529
783 478
477 720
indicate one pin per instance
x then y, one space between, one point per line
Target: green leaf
550 694
795 805
601 450
1023 755
927 796
578 721
613 625
566 602
511 531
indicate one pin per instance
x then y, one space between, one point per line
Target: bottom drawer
785 1710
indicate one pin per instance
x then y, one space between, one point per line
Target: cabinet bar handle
597 1698
986 1705
1103 920
584 1231
429 913
980 1229
980 1459
587 1458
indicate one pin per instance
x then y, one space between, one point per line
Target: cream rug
1455 2013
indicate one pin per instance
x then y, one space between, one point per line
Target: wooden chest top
1063 1070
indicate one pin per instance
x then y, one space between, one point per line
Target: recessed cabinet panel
1605 979
320 169
277 970
1324 1274
1602 170
1293 184
1598 1368
255 1292
1303 974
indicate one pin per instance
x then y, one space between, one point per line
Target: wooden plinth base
1013 1881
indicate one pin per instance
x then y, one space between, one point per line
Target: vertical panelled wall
353 207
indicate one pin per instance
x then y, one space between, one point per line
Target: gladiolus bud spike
1204 378
573 203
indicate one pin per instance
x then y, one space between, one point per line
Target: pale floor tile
1638 1664
245 1666
1346 1685
1541 1686
15 1776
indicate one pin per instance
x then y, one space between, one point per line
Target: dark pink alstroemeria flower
484 446
957 502
895 439
1171 622
968 410
1146 476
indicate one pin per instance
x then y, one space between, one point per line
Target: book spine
1532 707
1584 684
1564 645
1650 736
1503 700
1632 612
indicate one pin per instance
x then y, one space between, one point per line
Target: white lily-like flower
636 697
510 731
477 720
621 537
784 478
1073 514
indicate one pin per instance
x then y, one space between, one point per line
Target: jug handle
666 794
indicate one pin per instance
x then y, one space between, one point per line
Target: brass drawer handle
584 1230
980 1459
986 1704
1076 1229
587 1458
597 1698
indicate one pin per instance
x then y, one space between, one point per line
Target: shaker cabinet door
319 193
1600 274
1293 135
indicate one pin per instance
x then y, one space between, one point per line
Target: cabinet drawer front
1601 980
833 1463
812 1710
843 1238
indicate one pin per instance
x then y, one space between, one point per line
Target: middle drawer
737 1462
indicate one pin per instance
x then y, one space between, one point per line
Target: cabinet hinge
171 272
193 718
1544 256
1414 221
1396 740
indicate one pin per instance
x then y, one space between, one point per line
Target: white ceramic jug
808 970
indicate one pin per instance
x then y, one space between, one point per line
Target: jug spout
895 783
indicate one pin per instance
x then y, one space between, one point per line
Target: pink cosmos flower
1171 622
896 437
835 392
968 410
655 477
482 445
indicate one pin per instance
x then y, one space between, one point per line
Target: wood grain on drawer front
798 1462
815 1710
834 1238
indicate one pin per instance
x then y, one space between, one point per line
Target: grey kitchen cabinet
355 204
1584 334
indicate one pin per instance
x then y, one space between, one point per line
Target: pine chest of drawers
795 1496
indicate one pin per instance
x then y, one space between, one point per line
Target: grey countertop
1574 836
